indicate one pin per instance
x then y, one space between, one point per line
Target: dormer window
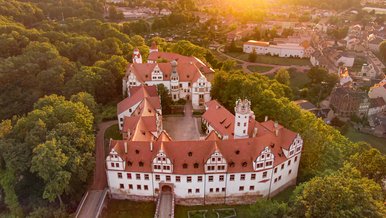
237 152
190 153
129 163
244 164
140 164
196 165
137 151
232 164
184 165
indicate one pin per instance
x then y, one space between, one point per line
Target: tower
154 47
242 115
137 58
174 82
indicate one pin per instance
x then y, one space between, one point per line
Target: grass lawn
182 211
129 209
376 142
111 132
266 59
260 69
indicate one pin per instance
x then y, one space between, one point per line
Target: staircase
165 205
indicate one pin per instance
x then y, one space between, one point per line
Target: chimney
125 144
151 146
255 132
266 119
276 125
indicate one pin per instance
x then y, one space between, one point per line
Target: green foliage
252 56
371 163
342 194
114 14
58 134
268 209
283 76
87 99
7 182
166 99
25 13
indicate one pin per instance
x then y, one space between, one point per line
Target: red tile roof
154 56
138 94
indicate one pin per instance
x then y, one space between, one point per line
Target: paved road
246 64
182 128
95 193
165 210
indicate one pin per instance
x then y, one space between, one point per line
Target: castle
238 161
183 76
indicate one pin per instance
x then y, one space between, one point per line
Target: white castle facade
239 161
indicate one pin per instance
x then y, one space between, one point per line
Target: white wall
126 113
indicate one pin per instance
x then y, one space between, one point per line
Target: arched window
190 153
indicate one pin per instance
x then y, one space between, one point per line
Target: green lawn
266 59
129 209
111 132
182 211
260 69
376 142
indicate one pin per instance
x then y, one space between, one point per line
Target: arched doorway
166 188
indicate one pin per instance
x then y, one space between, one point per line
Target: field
376 142
129 209
265 59
259 69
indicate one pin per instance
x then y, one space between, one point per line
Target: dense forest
60 69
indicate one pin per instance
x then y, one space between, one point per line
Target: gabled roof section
219 118
139 93
212 136
164 137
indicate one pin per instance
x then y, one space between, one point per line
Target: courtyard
183 127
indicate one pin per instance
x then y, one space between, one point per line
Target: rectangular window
112 165
279 177
223 189
189 179
138 176
265 174
146 187
157 177
117 164
217 189
178 179
190 191
211 190
242 177
210 179
168 178
275 180
199 178
275 170
130 186
251 188
268 163
139 187
282 166
221 178
120 175
121 186
221 167
128 175
298 148
197 190
241 188
289 162
146 176
296 158
253 176
232 177
289 172
259 165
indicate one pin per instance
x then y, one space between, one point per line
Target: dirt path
100 181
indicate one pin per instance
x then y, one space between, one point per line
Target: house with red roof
183 76
239 160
